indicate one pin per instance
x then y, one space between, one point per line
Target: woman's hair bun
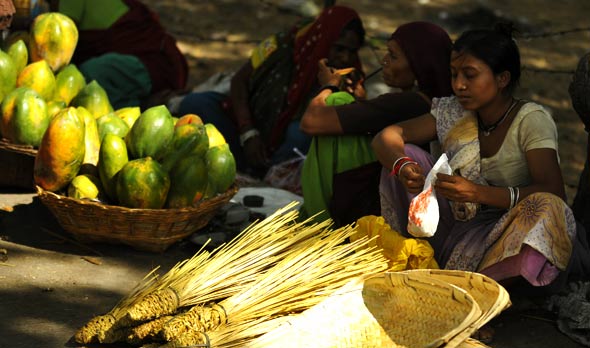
506 28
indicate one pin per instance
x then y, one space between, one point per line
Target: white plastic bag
423 214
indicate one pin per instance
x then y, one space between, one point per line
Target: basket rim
48 196
24 149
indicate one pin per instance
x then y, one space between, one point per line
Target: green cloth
93 14
327 156
124 77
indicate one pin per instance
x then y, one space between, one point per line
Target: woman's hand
456 188
412 177
255 152
328 75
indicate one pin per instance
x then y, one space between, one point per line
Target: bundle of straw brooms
273 269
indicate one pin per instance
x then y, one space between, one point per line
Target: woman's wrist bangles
514 196
247 135
399 164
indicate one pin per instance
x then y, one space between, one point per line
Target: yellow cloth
402 253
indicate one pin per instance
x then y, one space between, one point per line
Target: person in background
579 91
509 217
123 46
268 94
7 11
340 178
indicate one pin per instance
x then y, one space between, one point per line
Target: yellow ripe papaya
129 114
53 37
69 81
61 152
38 76
189 119
91 137
215 136
85 186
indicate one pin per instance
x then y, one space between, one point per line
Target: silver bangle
247 135
404 164
517 195
511 189
396 162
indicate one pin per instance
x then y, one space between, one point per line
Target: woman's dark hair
496 47
357 26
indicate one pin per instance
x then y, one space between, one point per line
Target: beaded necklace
487 130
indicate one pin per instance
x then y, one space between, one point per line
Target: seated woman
123 46
269 93
340 178
508 217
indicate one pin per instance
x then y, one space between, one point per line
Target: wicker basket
143 229
491 297
17 162
388 310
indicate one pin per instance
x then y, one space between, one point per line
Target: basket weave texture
392 309
143 229
489 295
17 163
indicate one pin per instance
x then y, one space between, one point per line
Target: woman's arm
319 118
388 146
240 97
254 148
545 177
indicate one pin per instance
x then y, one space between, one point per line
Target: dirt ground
50 285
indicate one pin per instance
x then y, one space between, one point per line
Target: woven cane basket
391 309
16 165
143 229
491 297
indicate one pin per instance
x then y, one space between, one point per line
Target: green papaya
221 167
188 182
8 74
142 183
24 117
19 53
69 81
112 157
188 140
111 124
151 133
94 98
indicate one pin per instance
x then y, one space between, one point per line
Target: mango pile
86 150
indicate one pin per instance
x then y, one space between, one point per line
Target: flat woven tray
16 165
391 309
143 229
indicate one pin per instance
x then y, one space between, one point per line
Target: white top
532 128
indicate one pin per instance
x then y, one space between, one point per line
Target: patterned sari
535 239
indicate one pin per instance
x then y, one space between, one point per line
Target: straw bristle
88 333
198 318
147 331
192 338
152 306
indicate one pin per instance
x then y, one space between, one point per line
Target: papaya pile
86 150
